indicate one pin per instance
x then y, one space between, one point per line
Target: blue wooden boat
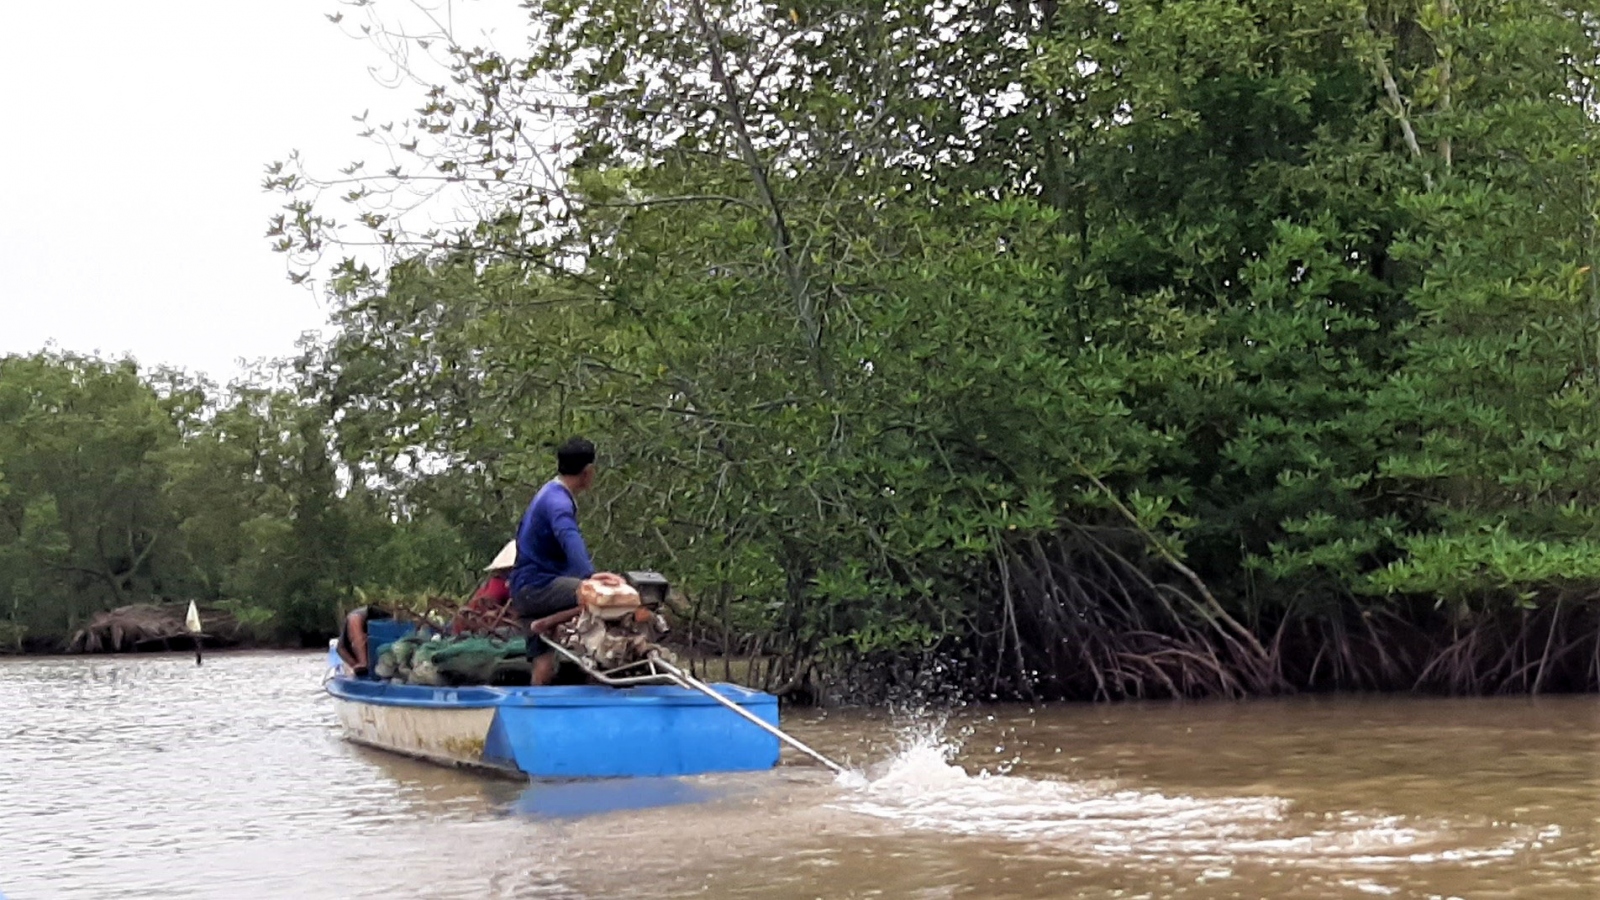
589 731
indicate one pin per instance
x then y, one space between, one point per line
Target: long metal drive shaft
689 681
662 671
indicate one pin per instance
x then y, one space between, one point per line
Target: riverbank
1041 651
158 628
1553 649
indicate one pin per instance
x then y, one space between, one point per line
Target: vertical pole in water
192 623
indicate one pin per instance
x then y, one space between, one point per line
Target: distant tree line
1039 349
119 486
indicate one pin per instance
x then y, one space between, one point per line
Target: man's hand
609 579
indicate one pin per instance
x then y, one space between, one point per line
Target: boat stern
597 732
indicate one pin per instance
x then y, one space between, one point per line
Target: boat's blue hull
561 732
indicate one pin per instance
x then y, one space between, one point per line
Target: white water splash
922 789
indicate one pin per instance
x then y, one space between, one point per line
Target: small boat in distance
579 731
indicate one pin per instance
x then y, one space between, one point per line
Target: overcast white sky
132 150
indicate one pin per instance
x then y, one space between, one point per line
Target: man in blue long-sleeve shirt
551 557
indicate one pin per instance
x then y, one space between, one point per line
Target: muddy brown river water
145 777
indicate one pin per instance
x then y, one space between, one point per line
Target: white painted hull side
448 736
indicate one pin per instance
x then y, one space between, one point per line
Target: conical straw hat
505 559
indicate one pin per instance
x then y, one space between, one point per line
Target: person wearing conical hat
505 560
489 601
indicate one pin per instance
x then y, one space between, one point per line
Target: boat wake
922 789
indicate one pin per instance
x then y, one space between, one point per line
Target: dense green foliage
1144 347
120 487
1083 349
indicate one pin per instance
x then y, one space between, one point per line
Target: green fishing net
447 661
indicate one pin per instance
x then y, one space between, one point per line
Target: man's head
575 463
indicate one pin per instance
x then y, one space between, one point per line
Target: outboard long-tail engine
616 635
618 625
